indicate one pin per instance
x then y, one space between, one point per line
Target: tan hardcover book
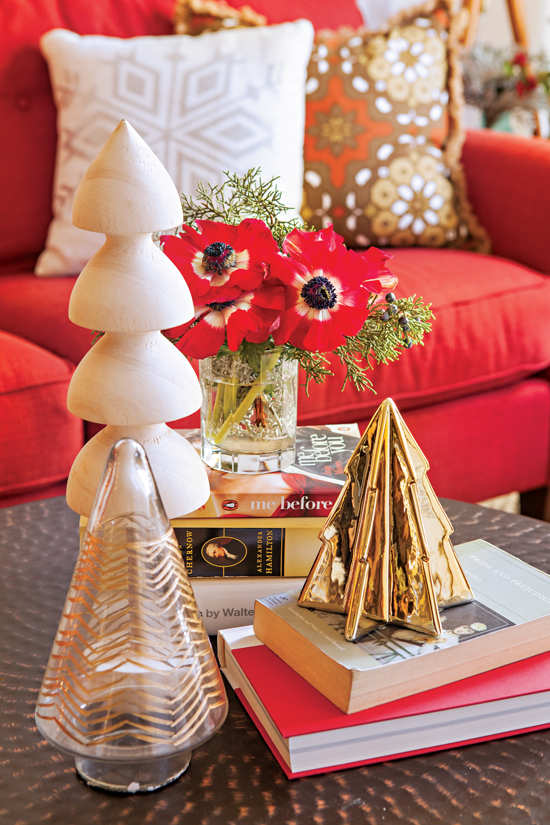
508 621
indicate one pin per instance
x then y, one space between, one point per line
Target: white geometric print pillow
220 102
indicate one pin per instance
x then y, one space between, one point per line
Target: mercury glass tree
132 685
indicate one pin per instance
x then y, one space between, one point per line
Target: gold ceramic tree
387 554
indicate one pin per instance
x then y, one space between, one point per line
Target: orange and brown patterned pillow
383 135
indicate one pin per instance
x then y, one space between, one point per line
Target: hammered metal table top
233 779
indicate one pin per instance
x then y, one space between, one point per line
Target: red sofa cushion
37 309
509 189
39 438
323 15
490 330
488 444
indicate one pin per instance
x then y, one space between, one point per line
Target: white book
229 602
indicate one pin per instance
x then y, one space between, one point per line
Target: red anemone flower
221 260
249 316
327 289
308 247
375 260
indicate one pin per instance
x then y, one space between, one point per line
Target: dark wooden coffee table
233 778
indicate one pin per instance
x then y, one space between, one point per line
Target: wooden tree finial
133 379
126 189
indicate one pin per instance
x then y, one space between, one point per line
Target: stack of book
258 535
322 703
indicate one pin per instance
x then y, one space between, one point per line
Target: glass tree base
132 777
228 461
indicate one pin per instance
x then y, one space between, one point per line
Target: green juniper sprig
312 363
238 198
391 327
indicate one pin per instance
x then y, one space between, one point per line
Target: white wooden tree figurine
133 377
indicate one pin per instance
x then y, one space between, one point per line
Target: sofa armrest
509 189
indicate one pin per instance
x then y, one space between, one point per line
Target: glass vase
248 413
132 685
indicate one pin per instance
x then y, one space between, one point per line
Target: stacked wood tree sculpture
133 377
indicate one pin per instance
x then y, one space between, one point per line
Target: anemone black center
218 256
319 293
219 305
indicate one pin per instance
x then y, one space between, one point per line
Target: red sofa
476 396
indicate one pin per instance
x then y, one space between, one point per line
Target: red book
309 735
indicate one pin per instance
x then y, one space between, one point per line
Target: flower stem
218 404
255 389
228 398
